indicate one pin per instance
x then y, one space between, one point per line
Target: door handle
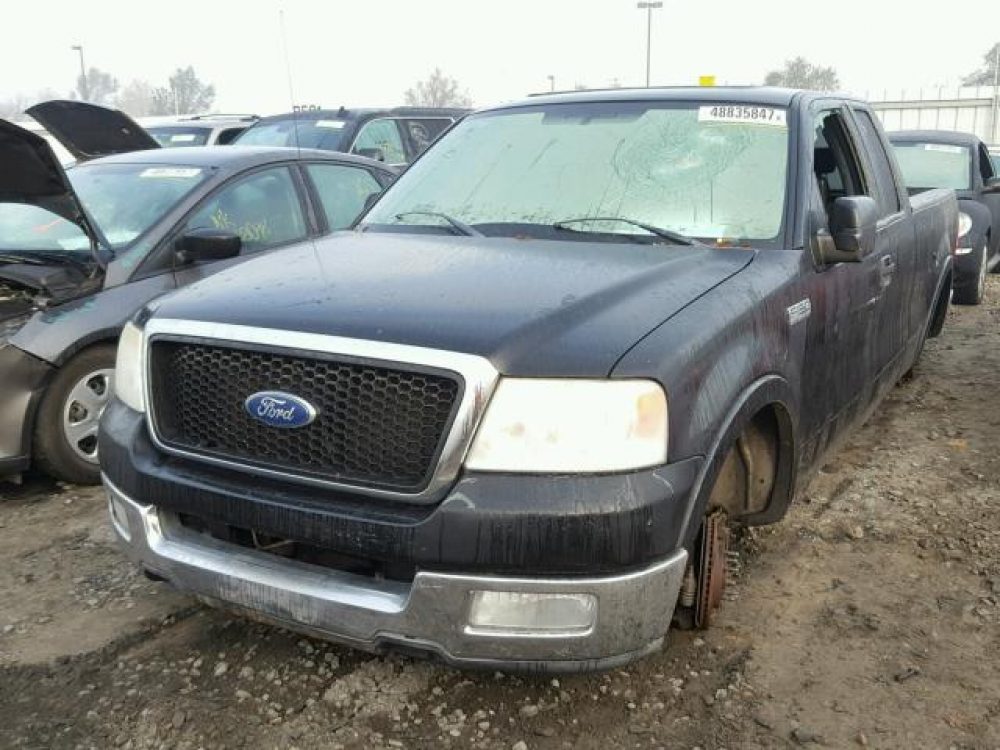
887 269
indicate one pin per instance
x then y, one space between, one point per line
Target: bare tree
989 74
98 87
799 73
136 98
438 90
13 108
185 94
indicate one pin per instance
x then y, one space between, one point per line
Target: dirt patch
868 617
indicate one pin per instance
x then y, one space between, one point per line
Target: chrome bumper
429 614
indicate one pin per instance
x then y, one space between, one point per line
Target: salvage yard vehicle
960 162
512 418
82 250
200 130
395 136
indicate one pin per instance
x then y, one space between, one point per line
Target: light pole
648 7
84 86
552 82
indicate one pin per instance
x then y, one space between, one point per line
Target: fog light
515 613
119 516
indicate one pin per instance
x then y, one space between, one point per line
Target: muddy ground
869 617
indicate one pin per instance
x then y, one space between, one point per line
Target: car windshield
934 165
124 200
326 134
169 137
704 171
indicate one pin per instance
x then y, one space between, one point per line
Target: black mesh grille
376 426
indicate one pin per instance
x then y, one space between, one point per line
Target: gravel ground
868 617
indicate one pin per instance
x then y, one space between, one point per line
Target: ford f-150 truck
511 418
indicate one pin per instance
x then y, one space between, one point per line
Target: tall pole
84 84
552 83
648 7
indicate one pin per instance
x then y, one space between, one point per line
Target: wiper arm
460 227
42 258
676 237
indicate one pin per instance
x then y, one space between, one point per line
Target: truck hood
535 308
89 130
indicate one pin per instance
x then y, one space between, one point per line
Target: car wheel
65 443
973 294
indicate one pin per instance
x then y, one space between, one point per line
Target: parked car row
509 419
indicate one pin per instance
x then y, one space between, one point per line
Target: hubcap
82 412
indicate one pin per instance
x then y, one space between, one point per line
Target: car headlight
572 426
129 379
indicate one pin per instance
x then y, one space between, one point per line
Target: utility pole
996 95
84 84
648 7
552 82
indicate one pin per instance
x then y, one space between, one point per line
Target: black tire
972 294
52 450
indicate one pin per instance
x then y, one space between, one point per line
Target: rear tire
65 438
973 294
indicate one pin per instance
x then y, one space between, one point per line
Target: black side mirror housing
372 153
206 244
852 230
992 185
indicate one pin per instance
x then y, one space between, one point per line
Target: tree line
184 94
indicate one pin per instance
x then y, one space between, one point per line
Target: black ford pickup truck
511 417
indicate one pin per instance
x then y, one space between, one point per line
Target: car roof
952 137
234 157
203 122
357 113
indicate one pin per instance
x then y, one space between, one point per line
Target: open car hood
32 174
89 130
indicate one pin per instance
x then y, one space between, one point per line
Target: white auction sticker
170 172
943 148
335 124
742 113
182 138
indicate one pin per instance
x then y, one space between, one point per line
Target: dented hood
31 174
89 130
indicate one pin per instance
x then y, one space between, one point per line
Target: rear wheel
973 293
65 440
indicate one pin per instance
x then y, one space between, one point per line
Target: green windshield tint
703 171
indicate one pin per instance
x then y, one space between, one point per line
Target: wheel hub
712 568
82 412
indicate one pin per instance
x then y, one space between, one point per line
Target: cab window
423 132
343 191
380 139
886 195
834 160
263 209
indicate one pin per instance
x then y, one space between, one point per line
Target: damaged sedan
81 250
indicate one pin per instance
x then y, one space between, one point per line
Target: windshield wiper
460 227
42 258
675 237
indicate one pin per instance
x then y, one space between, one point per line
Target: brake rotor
712 568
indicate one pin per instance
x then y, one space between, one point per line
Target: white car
197 130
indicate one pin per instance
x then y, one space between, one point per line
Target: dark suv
394 136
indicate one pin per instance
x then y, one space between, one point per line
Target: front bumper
429 614
22 381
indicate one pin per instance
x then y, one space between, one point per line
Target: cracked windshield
702 171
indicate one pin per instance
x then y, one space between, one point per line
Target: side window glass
228 135
342 191
885 183
263 209
834 162
380 139
424 132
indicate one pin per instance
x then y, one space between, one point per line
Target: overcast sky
363 52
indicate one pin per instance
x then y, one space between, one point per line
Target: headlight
572 426
129 381
964 224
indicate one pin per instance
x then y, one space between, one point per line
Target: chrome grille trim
478 373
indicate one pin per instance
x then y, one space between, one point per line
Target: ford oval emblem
279 409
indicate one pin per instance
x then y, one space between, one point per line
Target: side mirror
207 244
852 230
992 185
